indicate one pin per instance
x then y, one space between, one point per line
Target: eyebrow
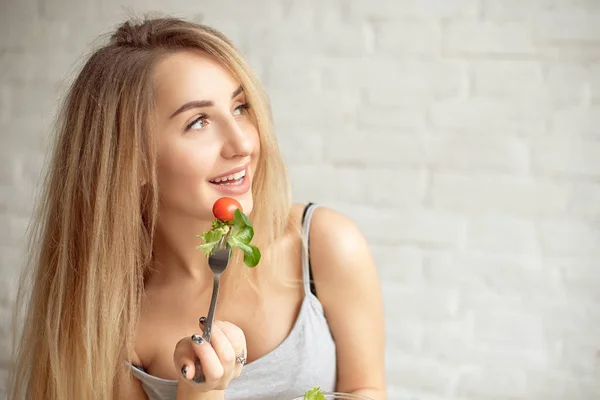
204 103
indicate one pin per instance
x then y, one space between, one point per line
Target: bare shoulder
348 286
337 246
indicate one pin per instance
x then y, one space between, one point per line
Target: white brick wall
463 136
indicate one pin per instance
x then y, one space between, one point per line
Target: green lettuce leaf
314 393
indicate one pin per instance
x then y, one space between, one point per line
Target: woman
160 123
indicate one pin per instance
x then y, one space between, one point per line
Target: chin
246 200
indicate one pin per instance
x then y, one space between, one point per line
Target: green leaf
240 219
217 223
207 247
233 241
252 258
244 234
314 393
213 235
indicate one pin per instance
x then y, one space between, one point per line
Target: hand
221 360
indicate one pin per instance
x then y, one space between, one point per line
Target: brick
508 79
327 109
595 83
345 39
421 374
580 356
408 82
477 194
423 304
398 264
314 13
569 237
292 73
489 116
46 99
509 328
396 9
9 168
408 37
305 188
567 157
8 280
568 24
388 117
580 277
559 51
5 351
41 67
457 348
401 336
558 85
3 378
301 146
16 15
584 200
419 226
5 106
501 234
576 123
14 229
489 38
492 383
358 186
502 274
512 10
378 186
567 84
396 81
476 153
16 199
397 391
567 318
375 148
5 321
552 385
85 10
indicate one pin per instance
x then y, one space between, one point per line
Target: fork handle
199 374
211 311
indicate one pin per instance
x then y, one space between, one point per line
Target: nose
238 139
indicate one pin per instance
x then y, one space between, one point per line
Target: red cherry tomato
224 208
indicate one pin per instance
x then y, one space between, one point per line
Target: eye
241 109
198 123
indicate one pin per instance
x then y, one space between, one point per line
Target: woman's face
208 144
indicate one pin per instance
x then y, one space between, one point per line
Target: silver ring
241 358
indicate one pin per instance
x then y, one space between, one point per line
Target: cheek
182 167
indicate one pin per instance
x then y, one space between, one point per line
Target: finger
238 341
190 352
234 334
223 348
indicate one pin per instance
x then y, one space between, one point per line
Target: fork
217 261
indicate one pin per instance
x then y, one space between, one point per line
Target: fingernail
184 371
197 339
202 320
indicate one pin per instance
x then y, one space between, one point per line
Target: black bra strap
313 289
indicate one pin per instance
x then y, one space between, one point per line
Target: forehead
192 75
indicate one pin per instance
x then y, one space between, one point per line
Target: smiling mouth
233 179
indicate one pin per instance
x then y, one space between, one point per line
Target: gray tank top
306 357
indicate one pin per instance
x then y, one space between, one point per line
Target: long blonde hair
92 235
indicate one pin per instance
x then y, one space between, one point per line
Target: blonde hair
92 236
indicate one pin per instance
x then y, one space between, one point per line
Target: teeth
232 177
